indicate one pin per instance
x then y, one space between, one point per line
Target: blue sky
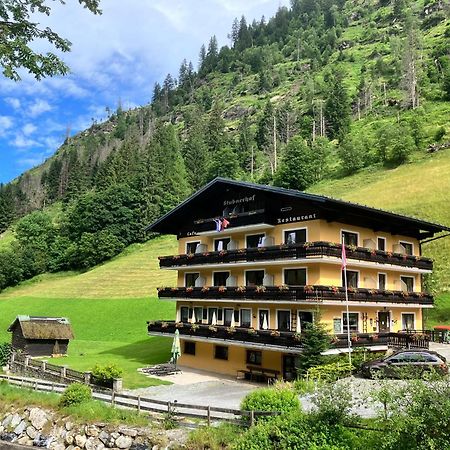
118 55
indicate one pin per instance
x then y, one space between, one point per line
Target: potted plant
222 289
179 325
260 289
189 289
334 290
190 255
283 287
354 337
240 289
164 324
252 331
205 289
194 327
297 337
231 330
309 289
275 333
212 328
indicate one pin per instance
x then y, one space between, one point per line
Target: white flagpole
349 341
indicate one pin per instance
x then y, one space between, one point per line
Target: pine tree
244 36
266 136
245 146
201 59
337 108
216 128
224 163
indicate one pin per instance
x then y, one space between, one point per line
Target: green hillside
108 307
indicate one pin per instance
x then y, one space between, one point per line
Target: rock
94 444
2 429
80 440
69 439
110 443
124 442
135 446
31 432
38 418
69 426
7 420
24 440
8 437
128 432
91 430
42 441
115 435
57 446
103 436
15 420
20 428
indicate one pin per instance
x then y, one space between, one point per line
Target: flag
343 257
225 223
218 224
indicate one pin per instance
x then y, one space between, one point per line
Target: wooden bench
255 373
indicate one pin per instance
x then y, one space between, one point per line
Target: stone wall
37 427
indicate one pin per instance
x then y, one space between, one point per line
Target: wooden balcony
289 294
289 340
295 251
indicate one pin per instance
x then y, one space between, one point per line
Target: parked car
406 363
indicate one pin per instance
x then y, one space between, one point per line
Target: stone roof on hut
43 327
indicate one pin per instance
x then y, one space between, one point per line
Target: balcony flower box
222 252
354 338
231 330
240 289
164 325
260 289
194 328
205 289
275 333
174 289
190 255
352 290
179 325
212 328
189 290
222 289
252 332
374 337
334 290
283 287
297 337
309 289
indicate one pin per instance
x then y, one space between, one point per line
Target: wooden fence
145 404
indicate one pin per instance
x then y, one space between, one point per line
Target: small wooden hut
41 336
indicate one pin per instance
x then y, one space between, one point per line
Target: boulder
69 426
38 418
128 432
91 430
69 439
31 432
7 420
124 442
20 428
103 436
24 440
94 444
15 420
80 440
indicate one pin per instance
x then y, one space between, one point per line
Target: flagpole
344 268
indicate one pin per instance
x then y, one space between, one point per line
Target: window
190 278
254 277
382 281
254 357
184 314
227 316
263 320
408 320
221 244
295 236
284 320
353 320
255 240
407 284
198 311
350 238
305 317
295 277
407 246
352 278
337 325
191 247
221 352
381 244
220 278
189 348
246 318
212 313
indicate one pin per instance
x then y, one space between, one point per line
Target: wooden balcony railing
294 294
295 251
288 339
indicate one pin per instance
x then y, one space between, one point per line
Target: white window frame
190 242
353 232
268 317
378 280
219 239
252 270
251 316
189 273
207 315
252 234
408 276
390 319
201 317
344 313
219 271
293 268
385 243
179 311
290 318
406 312
283 231
305 310
407 242
351 270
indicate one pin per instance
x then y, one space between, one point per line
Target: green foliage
351 153
337 109
224 164
5 353
315 340
329 372
395 143
75 394
213 438
107 373
440 133
279 398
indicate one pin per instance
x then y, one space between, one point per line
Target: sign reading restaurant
296 218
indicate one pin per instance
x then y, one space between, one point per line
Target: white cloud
39 107
28 129
13 102
6 123
20 141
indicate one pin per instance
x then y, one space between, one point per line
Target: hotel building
257 263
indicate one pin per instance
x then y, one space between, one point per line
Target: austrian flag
221 224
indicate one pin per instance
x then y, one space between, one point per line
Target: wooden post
35 385
208 415
252 418
63 371
87 377
168 408
139 403
113 395
44 366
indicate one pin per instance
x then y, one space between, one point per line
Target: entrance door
384 321
290 364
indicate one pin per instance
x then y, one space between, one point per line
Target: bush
5 353
440 133
107 373
330 372
279 398
76 394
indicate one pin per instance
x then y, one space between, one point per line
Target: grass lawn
108 307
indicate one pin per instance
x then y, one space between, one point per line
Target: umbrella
193 319
176 348
298 328
265 325
214 319
232 323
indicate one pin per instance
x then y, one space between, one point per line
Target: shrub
107 373
281 398
329 372
315 340
5 353
76 394
440 133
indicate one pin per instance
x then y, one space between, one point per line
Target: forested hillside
322 90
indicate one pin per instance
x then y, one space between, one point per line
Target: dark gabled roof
339 207
43 327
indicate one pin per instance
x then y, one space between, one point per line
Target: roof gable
43 327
